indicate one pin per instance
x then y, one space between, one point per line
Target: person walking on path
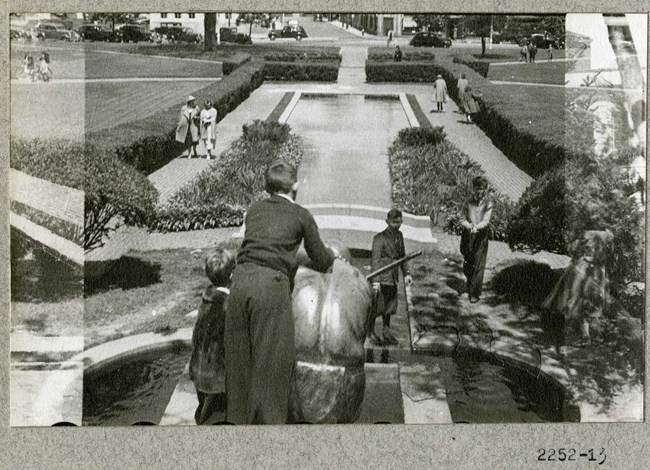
440 86
477 212
532 49
207 360
209 127
387 246
467 103
550 52
389 39
259 331
187 131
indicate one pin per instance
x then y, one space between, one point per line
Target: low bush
59 161
404 72
114 194
149 144
409 54
429 176
304 55
219 196
302 71
481 67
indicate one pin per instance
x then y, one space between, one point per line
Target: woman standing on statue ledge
474 239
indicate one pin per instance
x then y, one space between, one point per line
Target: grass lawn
144 292
539 72
502 52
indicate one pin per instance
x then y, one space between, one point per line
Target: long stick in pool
392 265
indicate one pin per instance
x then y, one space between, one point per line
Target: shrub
115 194
377 71
479 66
59 161
417 136
302 71
409 54
304 55
235 182
149 144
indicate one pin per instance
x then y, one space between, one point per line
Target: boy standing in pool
387 246
207 362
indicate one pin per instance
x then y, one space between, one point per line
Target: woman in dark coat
474 239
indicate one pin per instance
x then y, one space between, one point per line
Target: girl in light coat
209 127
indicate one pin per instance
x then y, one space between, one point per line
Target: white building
194 21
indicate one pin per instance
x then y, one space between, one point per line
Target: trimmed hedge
57 160
62 228
229 62
409 54
380 71
330 54
302 71
481 67
221 193
149 144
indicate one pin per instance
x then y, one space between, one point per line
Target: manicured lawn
539 72
502 52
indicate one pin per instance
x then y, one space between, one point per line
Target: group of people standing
37 71
195 125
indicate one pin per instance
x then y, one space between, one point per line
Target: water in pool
479 389
347 135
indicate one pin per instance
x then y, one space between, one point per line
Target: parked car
289 31
93 32
177 33
231 35
50 31
542 41
429 39
128 33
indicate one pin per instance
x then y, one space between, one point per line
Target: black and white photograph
327 218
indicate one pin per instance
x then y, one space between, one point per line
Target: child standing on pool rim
477 212
387 246
260 333
207 362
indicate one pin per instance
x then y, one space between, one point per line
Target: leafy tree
250 18
209 27
430 21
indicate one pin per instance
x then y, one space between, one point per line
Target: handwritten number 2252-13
567 455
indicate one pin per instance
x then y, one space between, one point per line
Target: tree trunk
209 28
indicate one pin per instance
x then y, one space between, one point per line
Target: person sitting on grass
207 369
387 246
398 54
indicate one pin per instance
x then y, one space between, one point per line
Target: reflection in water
38 274
135 392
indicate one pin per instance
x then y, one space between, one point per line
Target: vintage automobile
131 33
429 39
176 33
51 31
290 31
93 32
231 35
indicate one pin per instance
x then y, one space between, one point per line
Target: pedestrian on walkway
259 331
207 369
440 86
532 52
550 52
387 246
477 212
187 130
209 127
466 98
390 38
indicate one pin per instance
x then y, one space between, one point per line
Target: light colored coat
440 93
209 124
187 123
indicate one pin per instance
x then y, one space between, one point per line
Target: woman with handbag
187 131
474 239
